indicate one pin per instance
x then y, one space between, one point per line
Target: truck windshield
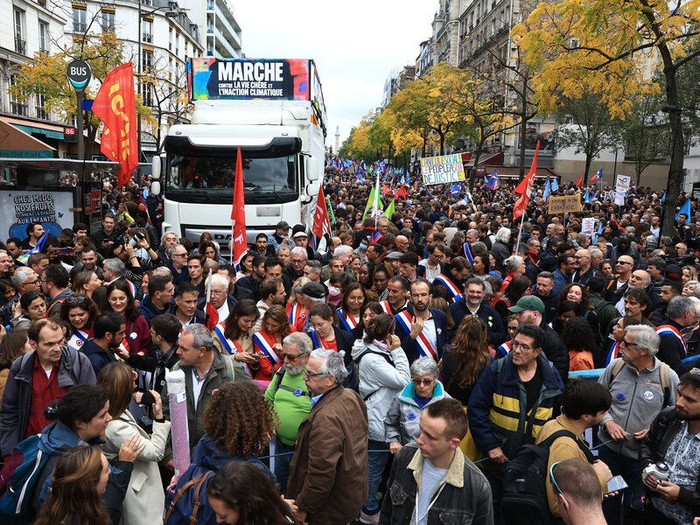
210 178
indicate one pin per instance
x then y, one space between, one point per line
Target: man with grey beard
291 398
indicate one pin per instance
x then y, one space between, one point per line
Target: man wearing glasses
500 421
291 398
641 386
674 439
578 492
328 475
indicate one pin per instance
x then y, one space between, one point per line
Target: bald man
584 269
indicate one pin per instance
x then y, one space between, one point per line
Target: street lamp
170 13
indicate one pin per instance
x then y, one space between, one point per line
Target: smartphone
616 484
65 251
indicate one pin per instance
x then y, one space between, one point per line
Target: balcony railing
20 46
41 113
19 109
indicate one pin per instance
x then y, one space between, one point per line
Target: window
147 30
18 106
44 36
79 19
41 112
107 20
147 94
20 42
146 60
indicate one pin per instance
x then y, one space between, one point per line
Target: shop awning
16 143
52 131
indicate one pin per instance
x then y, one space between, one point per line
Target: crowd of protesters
390 378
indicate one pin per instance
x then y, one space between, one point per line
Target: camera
659 470
138 236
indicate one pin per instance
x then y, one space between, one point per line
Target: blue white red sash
348 321
132 286
468 253
232 347
386 307
318 342
264 343
425 345
668 329
451 287
504 349
78 339
613 353
293 312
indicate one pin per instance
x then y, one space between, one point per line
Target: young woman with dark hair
120 300
233 335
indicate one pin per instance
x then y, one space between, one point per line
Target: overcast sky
356 45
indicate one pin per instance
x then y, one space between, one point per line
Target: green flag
390 210
370 204
331 215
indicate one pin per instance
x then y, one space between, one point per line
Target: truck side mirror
155 187
156 167
312 169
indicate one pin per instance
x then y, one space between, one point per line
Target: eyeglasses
554 481
623 262
515 345
311 374
291 357
179 255
425 382
626 344
512 328
75 299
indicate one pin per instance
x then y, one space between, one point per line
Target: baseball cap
393 256
528 302
314 290
299 234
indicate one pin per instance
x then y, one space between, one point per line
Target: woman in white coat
383 371
145 499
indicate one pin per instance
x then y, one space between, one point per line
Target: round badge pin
298 392
621 396
648 395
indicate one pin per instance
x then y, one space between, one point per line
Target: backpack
278 383
19 477
184 501
353 379
524 481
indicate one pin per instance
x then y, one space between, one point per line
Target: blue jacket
560 281
149 310
492 319
410 346
56 439
208 457
497 416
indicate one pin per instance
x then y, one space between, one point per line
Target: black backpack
524 488
353 379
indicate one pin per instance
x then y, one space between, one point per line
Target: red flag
525 187
385 190
240 244
322 222
402 191
115 105
579 182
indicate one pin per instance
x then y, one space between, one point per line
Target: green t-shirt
292 403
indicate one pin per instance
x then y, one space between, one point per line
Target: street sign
79 74
70 134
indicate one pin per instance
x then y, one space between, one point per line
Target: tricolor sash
425 345
452 289
261 341
504 349
318 342
348 321
668 329
386 307
293 311
132 287
232 347
78 339
468 253
613 353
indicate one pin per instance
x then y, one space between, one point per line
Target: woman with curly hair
79 480
241 494
579 339
239 423
465 358
267 342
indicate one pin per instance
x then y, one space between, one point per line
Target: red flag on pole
525 187
322 221
402 191
579 182
240 244
115 105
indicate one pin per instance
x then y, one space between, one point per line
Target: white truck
272 109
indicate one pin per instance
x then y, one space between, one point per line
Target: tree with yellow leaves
611 48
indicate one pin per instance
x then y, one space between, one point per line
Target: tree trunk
442 142
587 167
675 172
477 156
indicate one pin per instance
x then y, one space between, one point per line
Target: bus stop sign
79 74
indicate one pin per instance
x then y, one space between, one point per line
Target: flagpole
520 232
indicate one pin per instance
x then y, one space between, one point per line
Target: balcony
20 46
19 109
41 113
